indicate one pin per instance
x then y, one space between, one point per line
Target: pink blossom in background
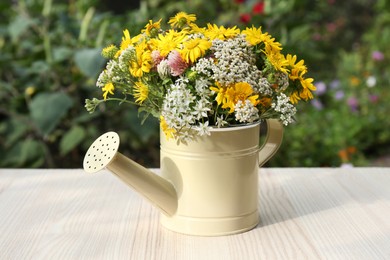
321 88
374 98
331 27
339 95
176 63
353 104
377 55
156 57
317 104
334 84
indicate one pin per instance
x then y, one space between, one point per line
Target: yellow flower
255 36
108 88
126 40
307 85
141 92
194 28
276 59
168 42
151 29
222 33
294 98
169 132
142 63
354 81
109 51
297 70
194 49
230 95
29 91
181 19
221 92
265 102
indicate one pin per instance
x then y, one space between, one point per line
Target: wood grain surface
306 213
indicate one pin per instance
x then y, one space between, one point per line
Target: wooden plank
314 213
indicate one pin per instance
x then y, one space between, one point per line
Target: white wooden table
313 213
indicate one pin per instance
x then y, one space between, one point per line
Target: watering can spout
103 153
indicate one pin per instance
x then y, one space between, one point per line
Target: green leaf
14 130
26 153
89 61
61 53
18 26
71 139
47 110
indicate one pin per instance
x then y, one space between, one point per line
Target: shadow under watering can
208 187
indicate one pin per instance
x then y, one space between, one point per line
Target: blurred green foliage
50 59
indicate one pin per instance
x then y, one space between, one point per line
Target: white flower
371 81
220 122
285 108
163 69
246 112
201 108
203 129
177 109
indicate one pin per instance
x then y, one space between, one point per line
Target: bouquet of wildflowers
194 78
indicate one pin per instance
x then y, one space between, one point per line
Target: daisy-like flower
141 92
168 42
240 91
151 29
108 88
126 40
297 69
255 36
307 85
221 92
142 63
222 33
276 59
194 49
176 63
182 19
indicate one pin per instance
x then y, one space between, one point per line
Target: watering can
207 187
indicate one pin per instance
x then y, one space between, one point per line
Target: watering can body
208 187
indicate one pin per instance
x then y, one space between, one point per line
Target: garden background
50 59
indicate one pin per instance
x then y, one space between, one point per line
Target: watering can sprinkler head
103 154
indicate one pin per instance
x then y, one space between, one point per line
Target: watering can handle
272 141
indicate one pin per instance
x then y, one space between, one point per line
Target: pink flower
374 98
377 55
353 104
176 63
156 57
